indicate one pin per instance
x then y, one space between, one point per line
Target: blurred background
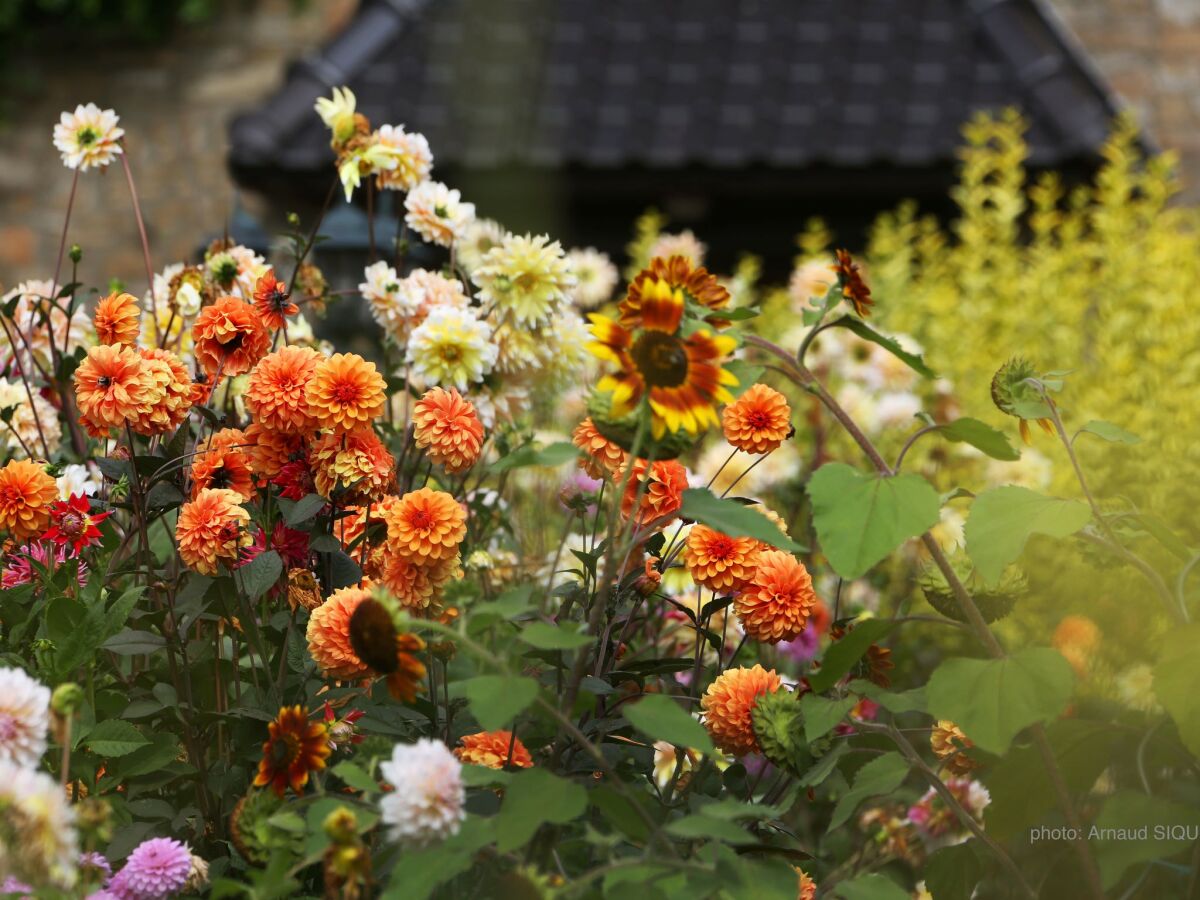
739 119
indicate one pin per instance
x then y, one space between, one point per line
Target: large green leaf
870 887
881 775
861 518
1107 431
914 361
734 519
821 714
1176 677
419 872
953 873
257 576
545 636
496 700
982 437
115 737
1119 840
1004 518
993 699
532 797
845 652
664 720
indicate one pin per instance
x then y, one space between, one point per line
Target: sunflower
329 635
388 652
276 392
776 603
727 705
447 428
117 319
26 494
295 748
426 526
229 337
854 289
758 421
717 561
601 456
494 750
168 398
345 392
223 462
355 463
212 529
272 301
681 376
111 386
677 273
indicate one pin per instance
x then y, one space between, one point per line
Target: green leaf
1004 518
418 872
894 702
870 887
746 373
952 873
843 654
545 636
1119 841
665 720
128 643
861 518
734 519
881 775
553 455
496 700
356 777
702 826
1107 431
993 699
1175 678
302 510
162 750
533 797
982 437
260 574
821 715
115 737
914 361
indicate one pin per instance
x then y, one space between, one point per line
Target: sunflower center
285 750
660 359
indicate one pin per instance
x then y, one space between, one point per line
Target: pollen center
660 359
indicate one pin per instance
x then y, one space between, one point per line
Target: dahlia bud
647 583
994 602
293 220
341 826
76 253
779 728
66 699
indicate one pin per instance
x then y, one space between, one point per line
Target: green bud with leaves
622 430
779 728
66 699
994 602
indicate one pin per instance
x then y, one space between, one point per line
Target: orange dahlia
26 494
415 585
390 653
661 494
677 273
681 376
229 337
111 386
778 599
426 526
601 456
807 888
355 463
948 741
854 289
758 421
1077 638
117 319
272 301
719 562
212 529
275 393
296 747
329 635
727 705
345 392
271 450
493 749
224 462
446 427
168 398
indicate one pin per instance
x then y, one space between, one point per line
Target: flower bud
341 826
76 253
66 699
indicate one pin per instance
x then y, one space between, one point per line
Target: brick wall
1149 51
174 102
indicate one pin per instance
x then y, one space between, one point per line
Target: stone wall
174 101
1149 51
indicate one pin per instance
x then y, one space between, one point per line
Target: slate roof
776 84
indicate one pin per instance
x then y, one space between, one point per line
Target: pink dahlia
19 570
156 869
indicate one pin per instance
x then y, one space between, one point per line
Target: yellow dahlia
727 705
355 463
776 603
526 278
345 392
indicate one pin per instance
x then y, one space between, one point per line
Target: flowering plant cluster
570 590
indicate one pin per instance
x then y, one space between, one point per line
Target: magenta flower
155 870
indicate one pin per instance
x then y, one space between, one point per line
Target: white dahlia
413 158
451 347
77 479
526 277
88 138
426 803
31 313
38 842
388 305
25 419
24 718
595 277
684 244
478 238
437 213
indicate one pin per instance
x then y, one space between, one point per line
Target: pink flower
155 870
19 568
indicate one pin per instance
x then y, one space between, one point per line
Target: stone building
177 101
